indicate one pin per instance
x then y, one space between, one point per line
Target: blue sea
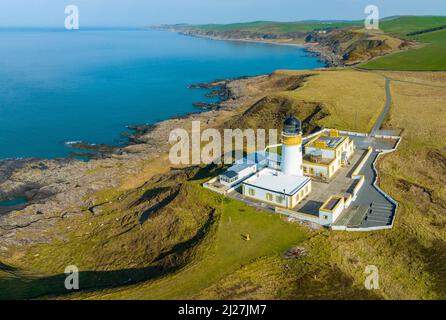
58 86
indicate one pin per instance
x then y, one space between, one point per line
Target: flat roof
331 142
315 160
240 167
275 181
331 203
230 174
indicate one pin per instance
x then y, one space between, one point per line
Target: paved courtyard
342 183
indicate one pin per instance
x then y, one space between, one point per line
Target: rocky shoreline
335 47
61 188
299 39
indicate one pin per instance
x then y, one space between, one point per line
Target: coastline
299 45
30 177
315 49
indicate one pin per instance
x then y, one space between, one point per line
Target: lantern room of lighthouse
292 147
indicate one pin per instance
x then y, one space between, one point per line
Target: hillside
429 56
269 27
407 25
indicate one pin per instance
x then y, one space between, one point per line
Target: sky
137 13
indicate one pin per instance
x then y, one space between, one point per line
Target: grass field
353 100
402 26
429 57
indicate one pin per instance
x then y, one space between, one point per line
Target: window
251 192
269 197
279 199
326 217
305 170
311 170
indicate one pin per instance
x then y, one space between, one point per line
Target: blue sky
46 13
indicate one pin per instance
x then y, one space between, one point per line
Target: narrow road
386 110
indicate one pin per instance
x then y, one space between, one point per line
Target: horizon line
211 23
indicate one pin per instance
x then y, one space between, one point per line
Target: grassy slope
404 25
429 57
344 99
352 100
227 252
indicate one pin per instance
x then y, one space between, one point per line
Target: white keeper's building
287 186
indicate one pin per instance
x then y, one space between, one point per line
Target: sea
59 86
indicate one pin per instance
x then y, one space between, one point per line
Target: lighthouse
292 147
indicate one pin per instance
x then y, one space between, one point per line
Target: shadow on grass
434 258
330 283
208 172
15 288
159 205
7 268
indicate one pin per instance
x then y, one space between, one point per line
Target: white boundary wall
297 215
375 184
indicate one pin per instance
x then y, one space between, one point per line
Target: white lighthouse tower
292 147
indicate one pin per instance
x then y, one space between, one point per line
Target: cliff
343 46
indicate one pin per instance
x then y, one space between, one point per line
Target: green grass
404 25
225 254
430 57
